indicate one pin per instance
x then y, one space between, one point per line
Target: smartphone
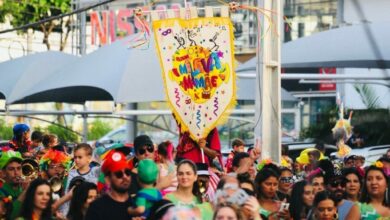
284 206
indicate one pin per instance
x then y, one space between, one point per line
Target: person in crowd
320 146
316 179
237 147
247 184
144 149
354 184
159 209
243 163
148 195
166 165
205 150
49 141
267 180
5 208
301 202
202 171
21 140
114 204
82 156
286 160
36 142
286 181
82 196
325 206
54 164
349 161
336 185
228 211
37 202
386 164
11 166
359 161
375 195
314 157
357 140
188 193
387 154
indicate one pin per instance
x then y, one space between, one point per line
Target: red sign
327 86
111 25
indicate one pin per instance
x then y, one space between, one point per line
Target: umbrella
356 46
20 75
113 72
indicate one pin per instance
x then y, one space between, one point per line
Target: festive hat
114 161
9 156
54 156
304 156
202 169
147 171
104 151
142 140
20 129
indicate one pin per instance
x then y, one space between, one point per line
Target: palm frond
368 96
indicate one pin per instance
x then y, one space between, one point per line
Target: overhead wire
56 17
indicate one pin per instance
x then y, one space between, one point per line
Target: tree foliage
368 96
322 130
24 12
98 129
5 131
62 133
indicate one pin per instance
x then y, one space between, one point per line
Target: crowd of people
43 179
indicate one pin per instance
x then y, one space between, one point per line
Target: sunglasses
286 180
120 174
142 151
338 183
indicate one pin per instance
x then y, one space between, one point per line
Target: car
295 148
119 136
372 153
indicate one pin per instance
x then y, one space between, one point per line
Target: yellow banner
197 59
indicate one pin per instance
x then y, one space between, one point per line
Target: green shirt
152 193
205 208
8 190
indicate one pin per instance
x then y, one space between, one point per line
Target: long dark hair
296 200
365 197
195 188
262 176
80 196
28 205
323 195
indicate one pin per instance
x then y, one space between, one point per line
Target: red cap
114 161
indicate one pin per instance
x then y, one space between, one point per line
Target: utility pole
268 81
83 50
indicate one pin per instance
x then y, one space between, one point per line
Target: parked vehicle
294 149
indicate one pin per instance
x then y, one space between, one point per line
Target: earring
336 216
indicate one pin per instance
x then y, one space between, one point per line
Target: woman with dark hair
188 193
375 201
246 184
83 195
325 207
37 202
354 183
266 182
302 196
286 180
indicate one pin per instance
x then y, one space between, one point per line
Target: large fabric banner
197 58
